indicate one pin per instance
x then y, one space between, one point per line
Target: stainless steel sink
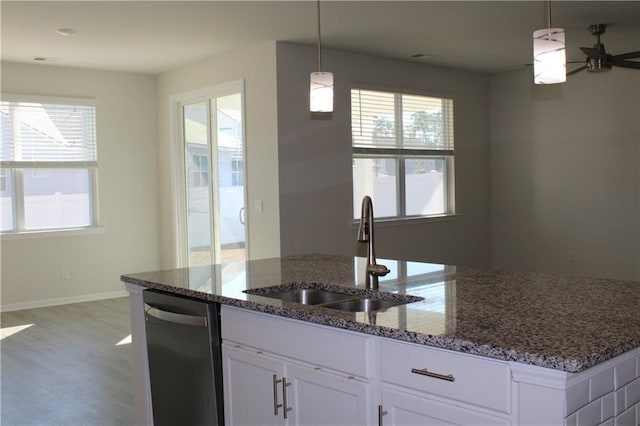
346 302
308 296
364 304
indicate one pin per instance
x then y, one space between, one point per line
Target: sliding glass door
214 179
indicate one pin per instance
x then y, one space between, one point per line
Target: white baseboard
63 301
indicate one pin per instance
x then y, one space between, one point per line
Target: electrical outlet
257 206
64 273
571 256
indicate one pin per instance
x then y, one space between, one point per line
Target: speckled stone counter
563 323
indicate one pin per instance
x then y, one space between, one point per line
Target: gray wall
314 158
565 174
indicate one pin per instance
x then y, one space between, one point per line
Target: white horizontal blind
427 123
49 133
400 121
373 121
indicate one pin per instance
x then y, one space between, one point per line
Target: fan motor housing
598 65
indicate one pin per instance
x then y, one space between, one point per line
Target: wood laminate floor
65 367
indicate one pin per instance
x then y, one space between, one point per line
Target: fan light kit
321 83
549 54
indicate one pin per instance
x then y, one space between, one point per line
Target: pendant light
549 54
321 87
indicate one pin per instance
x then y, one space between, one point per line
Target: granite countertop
563 323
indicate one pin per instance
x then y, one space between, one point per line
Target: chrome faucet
365 235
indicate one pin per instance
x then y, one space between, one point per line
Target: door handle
241 215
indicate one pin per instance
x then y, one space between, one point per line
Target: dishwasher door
185 367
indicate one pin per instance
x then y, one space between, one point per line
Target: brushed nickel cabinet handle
284 396
425 372
380 414
275 395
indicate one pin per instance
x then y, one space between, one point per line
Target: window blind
43 132
394 120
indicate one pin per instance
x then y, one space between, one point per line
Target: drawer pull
381 413
284 397
425 372
275 395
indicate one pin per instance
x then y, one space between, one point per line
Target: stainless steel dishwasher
185 366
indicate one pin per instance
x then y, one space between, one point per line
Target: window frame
16 170
401 154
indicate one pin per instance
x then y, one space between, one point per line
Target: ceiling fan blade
594 53
568 62
626 64
577 70
630 55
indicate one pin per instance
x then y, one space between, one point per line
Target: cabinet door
404 409
321 398
249 387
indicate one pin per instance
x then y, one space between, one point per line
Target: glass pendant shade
321 92
549 56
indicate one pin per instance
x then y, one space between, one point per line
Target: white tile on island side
627 418
626 372
608 406
589 415
577 396
633 393
601 384
572 420
620 399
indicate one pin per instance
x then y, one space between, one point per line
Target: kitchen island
553 349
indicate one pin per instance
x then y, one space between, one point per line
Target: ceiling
156 36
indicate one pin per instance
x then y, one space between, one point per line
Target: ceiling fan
598 60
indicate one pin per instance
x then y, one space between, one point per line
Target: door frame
177 164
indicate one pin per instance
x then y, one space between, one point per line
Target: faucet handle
378 270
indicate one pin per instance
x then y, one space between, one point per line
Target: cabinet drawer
476 381
323 346
410 410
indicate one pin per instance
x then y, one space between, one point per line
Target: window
199 170
237 171
48 159
402 153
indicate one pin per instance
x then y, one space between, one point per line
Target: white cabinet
342 377
464 378
320 398
265 374
326 376
404 409
430 386
255 394
251 388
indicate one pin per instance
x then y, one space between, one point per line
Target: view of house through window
402 153
48 161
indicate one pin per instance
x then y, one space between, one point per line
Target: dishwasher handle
183 319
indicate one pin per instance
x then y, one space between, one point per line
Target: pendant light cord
319 45
549 13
